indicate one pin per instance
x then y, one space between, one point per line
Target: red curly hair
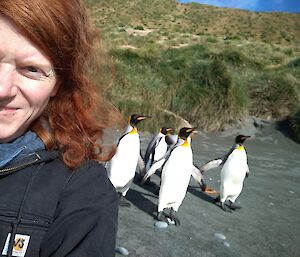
61 30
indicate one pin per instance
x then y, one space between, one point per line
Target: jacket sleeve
85 221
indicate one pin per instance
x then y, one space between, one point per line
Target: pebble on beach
220 236
122 250
226 244
161 224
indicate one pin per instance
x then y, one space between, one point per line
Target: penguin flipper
157 164
211 164
247 171
197 175
150 148
141 166
152 170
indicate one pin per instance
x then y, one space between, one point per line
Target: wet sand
267 225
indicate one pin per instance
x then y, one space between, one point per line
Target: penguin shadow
203 196
137 198
152 187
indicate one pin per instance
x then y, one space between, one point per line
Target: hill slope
209 65
198 19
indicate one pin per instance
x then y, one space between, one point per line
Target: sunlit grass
210 72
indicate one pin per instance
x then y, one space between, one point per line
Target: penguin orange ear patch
210 191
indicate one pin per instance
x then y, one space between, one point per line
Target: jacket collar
30 159
19 148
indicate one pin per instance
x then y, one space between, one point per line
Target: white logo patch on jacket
20 245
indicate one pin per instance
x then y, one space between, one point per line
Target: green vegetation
295 125
207 65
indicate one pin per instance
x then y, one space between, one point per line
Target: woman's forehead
16 46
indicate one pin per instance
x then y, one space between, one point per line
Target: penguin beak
134 119
169 130
244 138
140 118
193 131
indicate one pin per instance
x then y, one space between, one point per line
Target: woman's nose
7 87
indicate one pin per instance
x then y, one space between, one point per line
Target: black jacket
61 212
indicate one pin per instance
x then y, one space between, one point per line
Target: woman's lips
8 110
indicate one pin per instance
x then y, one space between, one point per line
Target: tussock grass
238 59
295 125
275 94
210 66
294 64
191 82
206 88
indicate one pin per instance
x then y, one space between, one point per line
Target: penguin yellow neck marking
133 131
186 143
241 147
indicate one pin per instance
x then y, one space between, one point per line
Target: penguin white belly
160 150
175 179
121 168
232 175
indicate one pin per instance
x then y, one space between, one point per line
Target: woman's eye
31 72
32 69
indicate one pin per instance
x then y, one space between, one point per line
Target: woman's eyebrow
34 62
34 58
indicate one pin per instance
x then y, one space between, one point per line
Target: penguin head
134 119
166 130
240 139
185 132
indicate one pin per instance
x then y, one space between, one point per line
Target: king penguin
157 147
235 169
121 168
177 169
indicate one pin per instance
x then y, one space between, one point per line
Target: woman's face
27 81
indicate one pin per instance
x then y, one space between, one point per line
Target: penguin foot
210 191
123 202
217 199
162 217
233 206
169 215
174 217
224 207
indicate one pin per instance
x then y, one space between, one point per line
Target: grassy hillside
197 19
210 66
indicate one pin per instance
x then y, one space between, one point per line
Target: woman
55 197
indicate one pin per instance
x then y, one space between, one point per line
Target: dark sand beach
268 225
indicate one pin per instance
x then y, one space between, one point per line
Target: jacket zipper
15 168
